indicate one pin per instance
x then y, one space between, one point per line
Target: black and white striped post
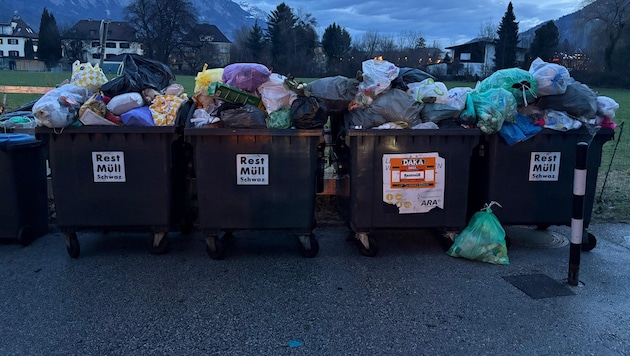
577 214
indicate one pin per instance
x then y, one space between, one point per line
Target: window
14 54
95 44
1 39
124 45
13 41
110 44
464 56
1 53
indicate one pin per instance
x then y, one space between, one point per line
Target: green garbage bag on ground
483 239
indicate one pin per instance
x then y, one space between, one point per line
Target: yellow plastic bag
87 76
207 76
164 109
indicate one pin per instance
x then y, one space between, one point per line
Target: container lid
15 139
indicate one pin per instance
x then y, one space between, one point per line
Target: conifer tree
505 50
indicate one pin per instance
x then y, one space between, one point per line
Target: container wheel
25 236
589 243
160 243
214 248
312 248
72 244
372 248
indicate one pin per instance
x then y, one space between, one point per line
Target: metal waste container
24 206
252 179
404 179
533 179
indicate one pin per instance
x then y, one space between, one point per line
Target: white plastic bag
377 76
560 121
606 107
552 79
60 106
429 91
457 97
274 94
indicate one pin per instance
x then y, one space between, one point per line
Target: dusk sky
448 22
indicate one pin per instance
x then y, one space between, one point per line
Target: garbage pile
515 103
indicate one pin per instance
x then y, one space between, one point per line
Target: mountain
227 15
570 28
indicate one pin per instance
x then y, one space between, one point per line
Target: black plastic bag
409 75
242 116
336 92
139 73
307 112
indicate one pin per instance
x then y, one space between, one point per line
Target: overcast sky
449 22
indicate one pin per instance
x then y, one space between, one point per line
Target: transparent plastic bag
483 239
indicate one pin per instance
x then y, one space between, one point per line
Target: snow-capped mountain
225 14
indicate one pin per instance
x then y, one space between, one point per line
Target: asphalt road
264 298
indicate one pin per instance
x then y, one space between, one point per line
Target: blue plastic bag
519 131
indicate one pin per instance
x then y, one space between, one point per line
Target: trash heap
514 103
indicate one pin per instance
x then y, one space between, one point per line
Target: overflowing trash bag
551 78
139 73
242 116
409 75
520 83
307 112
336 92
578 100
483 239
60 106
492 108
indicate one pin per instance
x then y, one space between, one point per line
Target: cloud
448 22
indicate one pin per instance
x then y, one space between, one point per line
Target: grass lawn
612 203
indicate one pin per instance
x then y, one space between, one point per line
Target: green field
612 203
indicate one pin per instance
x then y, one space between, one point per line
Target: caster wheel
25 236
369 252
214 248
162 246
312 252
72 244
589 243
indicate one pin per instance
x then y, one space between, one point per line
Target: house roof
480 40
89 29
206 29
20 28
473 41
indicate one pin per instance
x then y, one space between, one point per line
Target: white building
13 38
82 41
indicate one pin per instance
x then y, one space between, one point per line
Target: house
82 41
475 58
204 43
13 38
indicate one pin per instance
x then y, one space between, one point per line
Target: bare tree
609 19
369 43
487 31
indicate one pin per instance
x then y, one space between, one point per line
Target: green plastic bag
483 239
519 82
279 119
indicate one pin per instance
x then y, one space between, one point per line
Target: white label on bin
414 182
544 166
109 167
252 169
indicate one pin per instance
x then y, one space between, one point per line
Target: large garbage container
24 206
122 178
253 179
404 179
533 179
